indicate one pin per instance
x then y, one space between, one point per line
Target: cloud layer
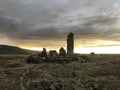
24 20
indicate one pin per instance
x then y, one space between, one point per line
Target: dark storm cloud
41 19
49 33
98 25
103 26
16 30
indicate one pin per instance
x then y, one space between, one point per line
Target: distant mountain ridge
6 49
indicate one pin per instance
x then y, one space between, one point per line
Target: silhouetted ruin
43 53
53 57
70 44
53 53
62 52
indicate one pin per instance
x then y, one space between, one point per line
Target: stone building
70 44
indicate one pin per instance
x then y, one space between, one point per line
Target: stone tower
70 44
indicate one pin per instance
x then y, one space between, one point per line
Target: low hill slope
5 49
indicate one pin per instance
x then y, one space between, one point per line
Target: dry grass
102 72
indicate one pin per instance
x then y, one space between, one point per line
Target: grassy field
102 72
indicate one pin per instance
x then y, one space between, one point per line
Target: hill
5 49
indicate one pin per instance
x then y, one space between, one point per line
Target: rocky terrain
102 72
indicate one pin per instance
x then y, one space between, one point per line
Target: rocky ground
102 72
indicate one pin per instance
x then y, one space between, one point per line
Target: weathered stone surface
70 44
43 53
53 53
62 52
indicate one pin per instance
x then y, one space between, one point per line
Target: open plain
101 72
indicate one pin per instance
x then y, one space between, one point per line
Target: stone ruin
70 44
53 57
43 53
62 52
53 53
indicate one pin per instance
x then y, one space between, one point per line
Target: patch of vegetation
101 72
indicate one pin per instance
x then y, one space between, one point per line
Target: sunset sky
34 24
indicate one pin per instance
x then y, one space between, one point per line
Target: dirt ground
102 72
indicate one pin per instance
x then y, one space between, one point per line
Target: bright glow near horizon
98 50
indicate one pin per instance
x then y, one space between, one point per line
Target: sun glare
105 47
98 50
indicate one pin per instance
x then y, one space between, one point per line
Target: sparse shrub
84 58
92 54
13 65
101 74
